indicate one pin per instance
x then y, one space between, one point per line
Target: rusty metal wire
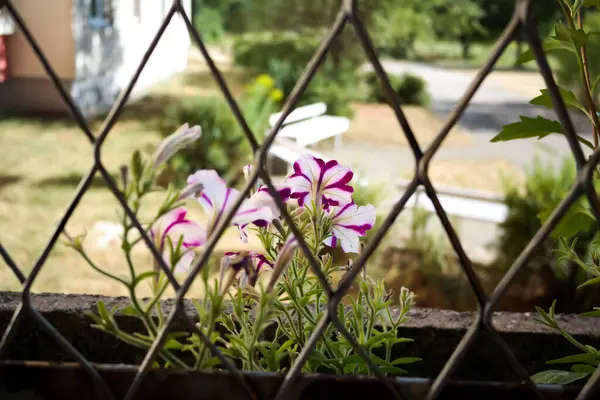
349 14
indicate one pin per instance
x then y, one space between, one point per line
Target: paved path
493 106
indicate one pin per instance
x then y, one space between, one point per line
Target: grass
43 162
449 54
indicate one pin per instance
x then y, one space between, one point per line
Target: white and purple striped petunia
262 198
175 226
350 222
327 183
217 199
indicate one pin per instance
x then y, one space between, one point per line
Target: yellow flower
276 95
265 80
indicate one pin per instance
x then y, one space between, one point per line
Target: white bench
287 151
307 125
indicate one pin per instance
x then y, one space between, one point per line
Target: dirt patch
527 83
473 174
377 123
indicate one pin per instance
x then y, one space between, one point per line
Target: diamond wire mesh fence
349 14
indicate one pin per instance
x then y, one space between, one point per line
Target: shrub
209 22
223 145
545 186
410 89
221 142
284 55
257 50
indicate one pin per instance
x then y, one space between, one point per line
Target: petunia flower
349 223
175 142
217 200
174 226
244 265
262 198
325 183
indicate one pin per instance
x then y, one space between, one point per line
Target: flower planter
436 334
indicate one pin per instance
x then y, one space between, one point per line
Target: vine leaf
558 377
577 218
549 46
527 128
568 97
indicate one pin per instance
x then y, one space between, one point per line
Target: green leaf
583 368
94 317
593 281
106 318
591 349
527 128
285 346
136 165
595 84
568 97
549 45
379 338
392 370
353 359
173 344
589 314
553 310
576 219
585 357
544 315
212 362
558 377
405 360
144 275
576 37
129 310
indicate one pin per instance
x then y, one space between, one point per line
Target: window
100 13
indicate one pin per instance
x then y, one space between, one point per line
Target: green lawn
449 54
41 165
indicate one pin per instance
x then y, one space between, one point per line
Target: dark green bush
258 50
223 145
544 185
284 55
410 89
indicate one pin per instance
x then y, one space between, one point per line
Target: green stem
216 310
150 326
101 271
146 344
572 340
585 77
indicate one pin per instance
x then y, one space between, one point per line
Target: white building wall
106 57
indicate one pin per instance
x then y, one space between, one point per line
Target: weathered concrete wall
436 334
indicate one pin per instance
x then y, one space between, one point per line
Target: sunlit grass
42 163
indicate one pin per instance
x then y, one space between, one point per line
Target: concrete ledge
436 334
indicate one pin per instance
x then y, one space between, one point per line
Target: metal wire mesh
348 15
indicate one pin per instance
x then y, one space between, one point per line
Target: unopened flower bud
193 190
175 142
283 259
407 299
75 242
248 169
